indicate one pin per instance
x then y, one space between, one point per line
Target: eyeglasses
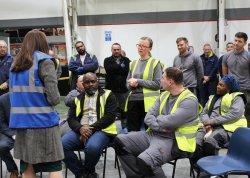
141 46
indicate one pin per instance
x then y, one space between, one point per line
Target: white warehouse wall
163 35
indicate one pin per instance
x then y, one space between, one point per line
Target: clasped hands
133 82
86 132
207 125
4 86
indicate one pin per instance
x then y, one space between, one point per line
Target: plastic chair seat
237 159
222 165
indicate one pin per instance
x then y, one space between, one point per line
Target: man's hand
4 86
206 79
207 125
206 122
85 132
133 82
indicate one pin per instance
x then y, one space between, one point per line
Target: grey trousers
218 138
152 149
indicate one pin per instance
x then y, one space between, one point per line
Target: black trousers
135 115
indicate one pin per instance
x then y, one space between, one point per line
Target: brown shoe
14 174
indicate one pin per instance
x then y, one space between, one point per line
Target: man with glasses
190 64
5 63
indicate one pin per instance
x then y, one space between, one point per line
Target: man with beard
91 119
5 63
81 63
117 67
237 63
190 64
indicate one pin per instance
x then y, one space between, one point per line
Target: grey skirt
38 145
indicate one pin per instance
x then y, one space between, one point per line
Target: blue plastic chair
237 159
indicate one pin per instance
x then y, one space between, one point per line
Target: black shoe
93 175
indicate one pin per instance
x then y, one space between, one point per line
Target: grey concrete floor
182 167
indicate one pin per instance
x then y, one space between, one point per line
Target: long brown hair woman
34 93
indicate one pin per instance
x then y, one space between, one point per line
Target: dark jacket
5 115
77 68
210 66
116 74
5 65
101 123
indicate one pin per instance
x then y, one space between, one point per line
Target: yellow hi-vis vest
186 134
225 105
149 95
112 127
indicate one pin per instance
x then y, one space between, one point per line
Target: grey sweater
235 112
192 68
238 65
154 84
187 111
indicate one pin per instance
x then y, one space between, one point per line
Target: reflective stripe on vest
29 106
186 134
225 105
149 95
103 98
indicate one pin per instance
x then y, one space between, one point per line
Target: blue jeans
6 144
92 149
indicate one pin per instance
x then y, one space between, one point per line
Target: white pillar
67 30
221 27
74 21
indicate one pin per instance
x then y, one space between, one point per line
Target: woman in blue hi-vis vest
34 93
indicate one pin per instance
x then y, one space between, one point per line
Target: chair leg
66 171
1 168
174 166
41 174
192 174
104 163
118 166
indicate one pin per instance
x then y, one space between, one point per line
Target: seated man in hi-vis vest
92 120
173 123
221 116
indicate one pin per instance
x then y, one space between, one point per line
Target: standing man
190 64
5 63
237 63
117 68
229 47
6 136
81 63
210 66
172 122
92 120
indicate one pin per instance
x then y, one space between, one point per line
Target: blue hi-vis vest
29 106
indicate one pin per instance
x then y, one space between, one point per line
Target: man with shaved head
91 119
5 63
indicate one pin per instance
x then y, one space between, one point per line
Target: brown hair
182 39
33 40
149 40
175 74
